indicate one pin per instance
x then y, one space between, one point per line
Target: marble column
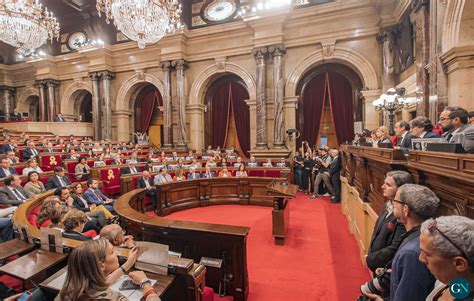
261 110
51 84
181 65
106 76
277 52
42 100
420 17
371 117
95 77
166 69
7 100
387 38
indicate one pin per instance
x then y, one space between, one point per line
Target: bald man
114 234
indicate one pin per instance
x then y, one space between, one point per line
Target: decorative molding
328 48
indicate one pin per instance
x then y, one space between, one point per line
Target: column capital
95 76
260 52
165 65
179 64
51 82
106 74
4 88
276 50
387 33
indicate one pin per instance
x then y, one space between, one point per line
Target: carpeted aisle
320 258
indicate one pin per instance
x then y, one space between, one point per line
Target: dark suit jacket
141 183
53 182
76 236
126 170
7 148
204 175
431 135
406 142
57 119
8 198
14 116
335 167
28 153
78 204
49 150
2 172
385 241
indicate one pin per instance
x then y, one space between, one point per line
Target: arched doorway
82 105
33 107
227 116
148 118
329 105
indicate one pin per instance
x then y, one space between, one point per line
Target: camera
380 285
363 298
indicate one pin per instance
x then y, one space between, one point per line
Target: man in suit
471 118
12 193
59 118
193 174
422 127
283 163
208 173
30 151
130 169
6 170
147 182
12 158
454 123
402 130
386 237
93 195
9 146
82 148
335 175
50 148
58 180
15 115
163 177
252 162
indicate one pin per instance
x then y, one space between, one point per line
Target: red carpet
318 262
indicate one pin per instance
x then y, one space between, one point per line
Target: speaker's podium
281 192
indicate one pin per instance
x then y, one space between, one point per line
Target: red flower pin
390 226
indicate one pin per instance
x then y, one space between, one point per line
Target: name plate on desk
211 262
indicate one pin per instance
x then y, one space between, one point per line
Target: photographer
298 165
410 279
323 174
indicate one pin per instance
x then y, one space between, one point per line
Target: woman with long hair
91 284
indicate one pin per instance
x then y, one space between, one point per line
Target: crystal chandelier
144 21
25 24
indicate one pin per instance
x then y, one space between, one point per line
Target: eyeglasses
441 119
434 227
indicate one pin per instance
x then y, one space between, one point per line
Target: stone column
107 76
7 100
277 51
196 128
165 66
51 83
122 121
371 117
95 77
387 37
261 110
181 65
420 17
289 108
42 100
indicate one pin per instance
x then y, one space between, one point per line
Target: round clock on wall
214 11
76 39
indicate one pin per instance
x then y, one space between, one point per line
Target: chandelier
144 21
25 24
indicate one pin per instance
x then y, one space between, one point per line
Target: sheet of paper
58 283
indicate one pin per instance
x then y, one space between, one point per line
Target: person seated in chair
81 203
9 146
131 168
208 173
93 195
32 165
15 115
6 170
146 182
224 173
241 173
238 162
283 163
82 148
179 177
73 225
193 174
268 163
381 134
12 193
72 154
59 118
421 127
34 186
252 162
6 224
211 162
12 158
195 164
115 235
30 151
163 177
58 180
454 122
82 171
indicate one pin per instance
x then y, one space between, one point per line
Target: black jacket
141 183
126 170
75 235
335 167
79 204
28 153
54 183
385 241
406 142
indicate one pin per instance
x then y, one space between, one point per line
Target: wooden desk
14 247
163 282
32 264
281 194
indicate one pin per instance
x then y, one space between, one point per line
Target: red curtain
146 107
241 115
220 114
340 100
311 109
